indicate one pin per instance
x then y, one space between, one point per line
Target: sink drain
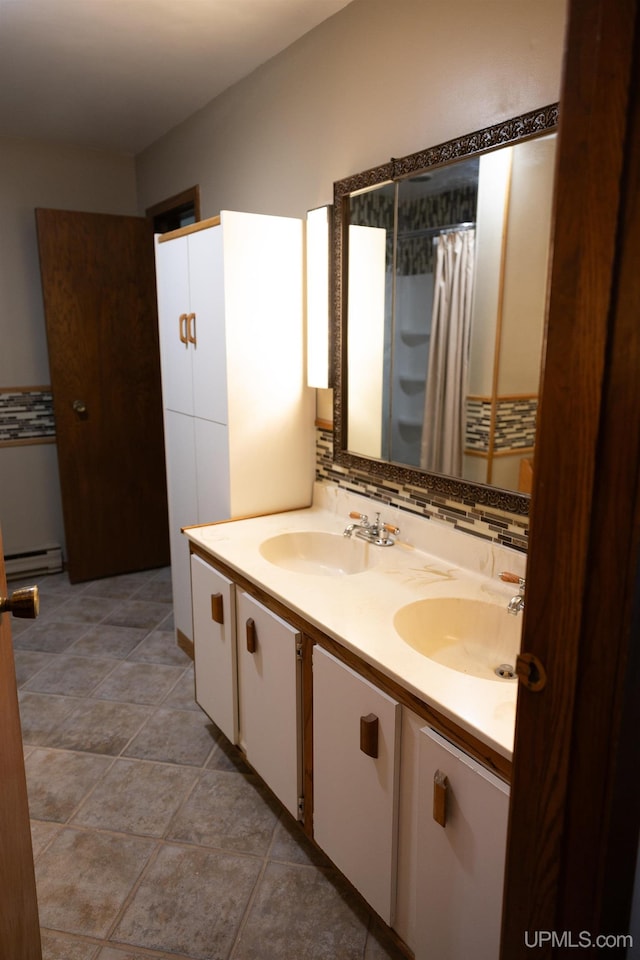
506 671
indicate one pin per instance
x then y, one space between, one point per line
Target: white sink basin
326 554
471 636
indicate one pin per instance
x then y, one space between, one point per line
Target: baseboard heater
47 559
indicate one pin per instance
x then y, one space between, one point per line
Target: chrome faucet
376 532
516 604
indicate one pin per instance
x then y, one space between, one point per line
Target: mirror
439 269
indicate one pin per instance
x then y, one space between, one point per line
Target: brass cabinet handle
252 637
79 407
440 785
217 610
191 334
23 603
182 324
369 735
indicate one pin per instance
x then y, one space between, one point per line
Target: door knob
23 603
80 407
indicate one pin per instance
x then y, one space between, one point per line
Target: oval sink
470 636
311 551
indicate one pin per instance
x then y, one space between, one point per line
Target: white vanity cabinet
270 698
214 640
462 835
238 416
356 753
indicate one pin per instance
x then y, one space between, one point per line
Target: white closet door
172 271
207 299
460 864
355 795
214 638
269 696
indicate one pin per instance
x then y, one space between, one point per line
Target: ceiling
118 74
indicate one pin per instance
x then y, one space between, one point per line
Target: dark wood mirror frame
524 127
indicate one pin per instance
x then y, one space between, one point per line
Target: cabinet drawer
355 793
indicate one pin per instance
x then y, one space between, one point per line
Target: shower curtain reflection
445 399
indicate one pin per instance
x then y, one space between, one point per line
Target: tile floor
151 837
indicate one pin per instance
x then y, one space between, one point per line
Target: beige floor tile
190 901
137 797
56 947
58 780
230 811
138 682
174 736
83 879
299 912
137 613
104 640
71 676
99 726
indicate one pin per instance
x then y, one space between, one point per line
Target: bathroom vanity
359 682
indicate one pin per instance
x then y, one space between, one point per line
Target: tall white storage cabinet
238 417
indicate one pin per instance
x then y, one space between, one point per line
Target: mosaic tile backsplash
26 415
515 426
477 520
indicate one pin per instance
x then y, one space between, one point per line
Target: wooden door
575 812
98 284
19 925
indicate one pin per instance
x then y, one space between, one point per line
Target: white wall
380 78
34 174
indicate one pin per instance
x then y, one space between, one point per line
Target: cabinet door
269 698
183 510
354 793
172 279
212 470
460 864
214 638
207 325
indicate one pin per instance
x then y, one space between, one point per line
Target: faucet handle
509 577
389 527
358 516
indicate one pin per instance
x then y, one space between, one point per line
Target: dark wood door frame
575 811
19 923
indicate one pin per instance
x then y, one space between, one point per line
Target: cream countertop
429 559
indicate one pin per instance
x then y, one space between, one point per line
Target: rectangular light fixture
317 268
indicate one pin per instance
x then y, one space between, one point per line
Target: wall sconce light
318 233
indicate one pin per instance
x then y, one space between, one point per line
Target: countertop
427 560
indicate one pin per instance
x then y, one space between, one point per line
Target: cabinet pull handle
440 785
191 333
182 324
217 612
369 735
252 637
